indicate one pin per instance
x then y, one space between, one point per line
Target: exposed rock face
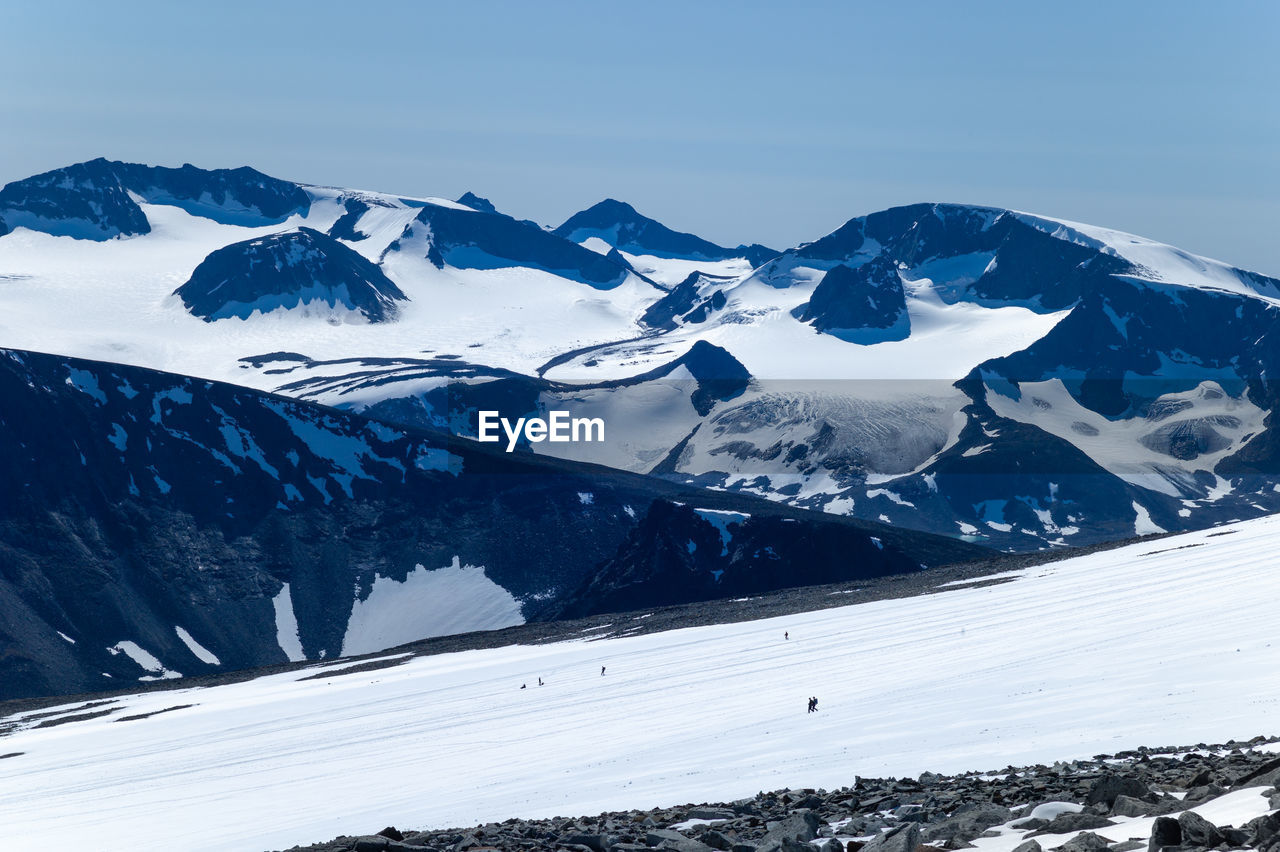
621 226
686 303
678 550
865 304
467 239
94 200
140 502
294 270
475 202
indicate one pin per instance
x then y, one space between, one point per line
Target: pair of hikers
524 685
813 705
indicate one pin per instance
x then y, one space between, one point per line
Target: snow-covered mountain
1015 379
155 525
1059 661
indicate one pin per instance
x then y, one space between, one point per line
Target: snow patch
287 625
1142 523
454 599
202 653
145 660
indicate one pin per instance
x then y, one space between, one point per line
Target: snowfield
1159 642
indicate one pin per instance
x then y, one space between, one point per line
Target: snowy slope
112 300
1073 658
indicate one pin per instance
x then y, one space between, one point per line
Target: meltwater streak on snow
1095 654
454 599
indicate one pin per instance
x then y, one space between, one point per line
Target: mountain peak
477 203
612 211
95 199
626 229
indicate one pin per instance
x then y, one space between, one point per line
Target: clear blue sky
742 122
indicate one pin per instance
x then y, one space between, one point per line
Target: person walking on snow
602 671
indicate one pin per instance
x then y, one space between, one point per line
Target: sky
741 122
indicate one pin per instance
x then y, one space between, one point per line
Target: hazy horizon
740 123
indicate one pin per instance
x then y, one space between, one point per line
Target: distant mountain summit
475 202
474 238
302 269
621 226
96 200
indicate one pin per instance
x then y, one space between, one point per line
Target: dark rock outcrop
865 304
685 302
94 200
475 202
1110 787
621 226
302 269
467 239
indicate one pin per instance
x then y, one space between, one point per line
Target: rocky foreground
1143 799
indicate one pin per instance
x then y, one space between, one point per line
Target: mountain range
248 437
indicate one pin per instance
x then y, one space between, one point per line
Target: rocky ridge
1105 804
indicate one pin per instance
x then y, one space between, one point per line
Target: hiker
539 681
786 635
523 685
811 704
815 704
602 671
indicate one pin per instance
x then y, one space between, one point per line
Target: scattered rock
594 842
1165 832
904 838
1198 831
933 813
1086 841
1110 787
803 827
968 823
1266 775
666 838
1204 793
1065 823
